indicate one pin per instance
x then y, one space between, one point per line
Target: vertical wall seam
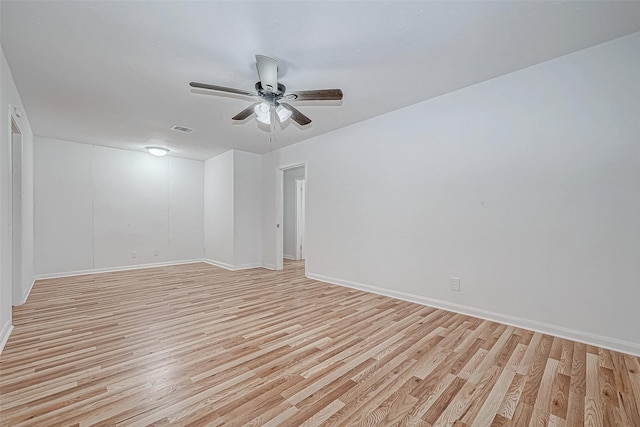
168 176
204 203
93 207
233 207
33 207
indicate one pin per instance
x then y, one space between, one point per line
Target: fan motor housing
270 96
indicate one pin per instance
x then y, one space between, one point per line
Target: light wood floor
198 345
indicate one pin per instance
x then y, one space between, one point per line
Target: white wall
64 237
9 98
218 209
232 210
525 187
289 220
247 209
105 203
139 182
186 209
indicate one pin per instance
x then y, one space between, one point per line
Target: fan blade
222 89
268 73
245 113
296 115
317 95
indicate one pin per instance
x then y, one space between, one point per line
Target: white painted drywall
218 209
131 208
95 205
186 208
247 226
233 210
525 187
63 206
289 218
9 99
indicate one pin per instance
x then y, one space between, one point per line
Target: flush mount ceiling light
157 151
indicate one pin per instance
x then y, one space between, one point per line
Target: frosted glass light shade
263 113
157 151
283 113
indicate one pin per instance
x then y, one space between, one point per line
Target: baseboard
533 325
247 266
26 293
291 257
269 266
219 264
232 267
114 269
4 334
141 266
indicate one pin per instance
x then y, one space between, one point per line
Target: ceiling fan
272 93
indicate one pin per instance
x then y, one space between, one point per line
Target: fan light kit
271 93
157 151
263 113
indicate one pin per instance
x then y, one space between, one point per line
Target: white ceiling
117 73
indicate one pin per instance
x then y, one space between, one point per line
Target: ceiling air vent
181 129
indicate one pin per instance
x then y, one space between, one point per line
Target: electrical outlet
454 284
133 254
156 253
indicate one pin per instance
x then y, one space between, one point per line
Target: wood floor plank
633 373
560 395
498 392
594 406
197 345
512 397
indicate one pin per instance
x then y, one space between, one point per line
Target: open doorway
291 215
16 213
300 219
292 181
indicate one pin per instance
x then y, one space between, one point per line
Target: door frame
16 145
280 210
300 217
